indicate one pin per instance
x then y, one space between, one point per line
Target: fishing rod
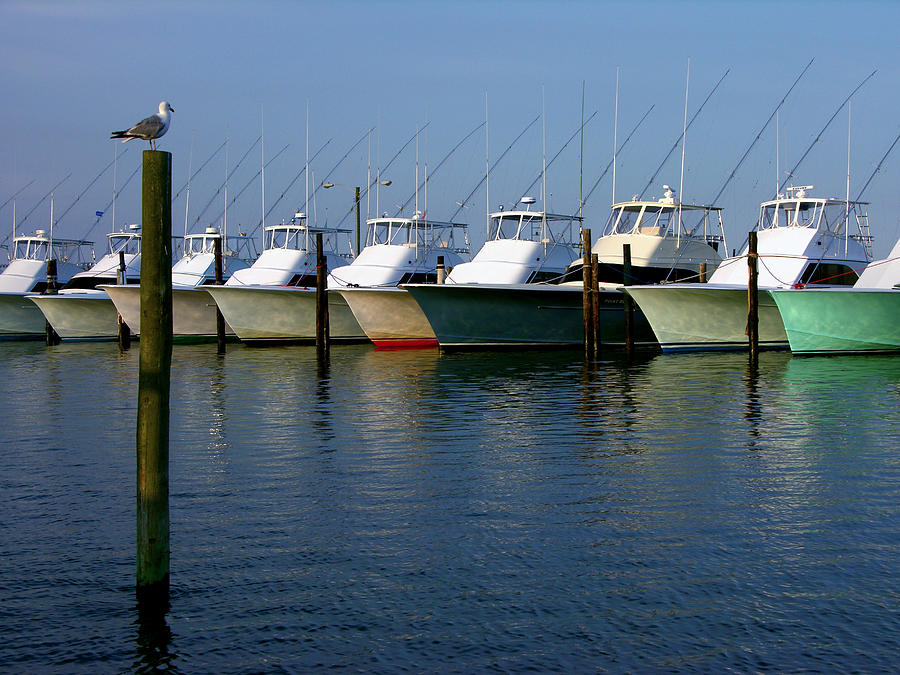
435 169
620 148
334 168
235 198
681 136
50 192
17 193
81 194
272 208
827 124
115 195
759 134
225 182
385 167
493 166
877 168
558 153
194 175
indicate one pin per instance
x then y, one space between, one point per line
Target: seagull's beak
171 109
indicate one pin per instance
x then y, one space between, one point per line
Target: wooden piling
50 335
124 329
753 297
153 380
220 320
322 347
595 303
628 302
587 287
702 273
441 270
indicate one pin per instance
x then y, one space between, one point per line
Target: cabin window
831 274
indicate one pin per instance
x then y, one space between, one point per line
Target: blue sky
76 71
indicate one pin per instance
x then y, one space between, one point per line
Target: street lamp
327 185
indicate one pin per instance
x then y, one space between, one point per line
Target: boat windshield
31 249
665 220
125 242
420 233
552 228
287 236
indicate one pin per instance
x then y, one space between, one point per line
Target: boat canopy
797 210
235 246
539 226
420 233
667 217
40 247
127 242
298 235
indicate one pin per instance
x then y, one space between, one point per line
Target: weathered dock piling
52 287
587 288
628 302
124 329
441 271
153 380
753 297
595 302
220 320
322 347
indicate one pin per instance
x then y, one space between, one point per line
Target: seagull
149 129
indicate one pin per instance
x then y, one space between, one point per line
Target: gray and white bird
149 129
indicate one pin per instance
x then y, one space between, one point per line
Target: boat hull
390 317
259 314
193 311
840 320
80 316
700 317
474 315
20 319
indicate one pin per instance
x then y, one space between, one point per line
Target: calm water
457 513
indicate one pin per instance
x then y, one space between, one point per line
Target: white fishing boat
287 263
802 241
81 310
26 273
193 312
668 240
525 246
397 250
861 319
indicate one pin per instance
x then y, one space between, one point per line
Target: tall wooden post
702 276
153 380
628 303
124 329
52 338
595 302
322 347
587 287
220 320
753 297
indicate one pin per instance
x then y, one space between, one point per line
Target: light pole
356 199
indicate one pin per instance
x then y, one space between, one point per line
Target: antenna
683 147
187 197
262 173
306 205
847 212
615 136
487 173
115 173
544 163
581 163
225 212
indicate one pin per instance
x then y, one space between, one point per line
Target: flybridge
798 210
